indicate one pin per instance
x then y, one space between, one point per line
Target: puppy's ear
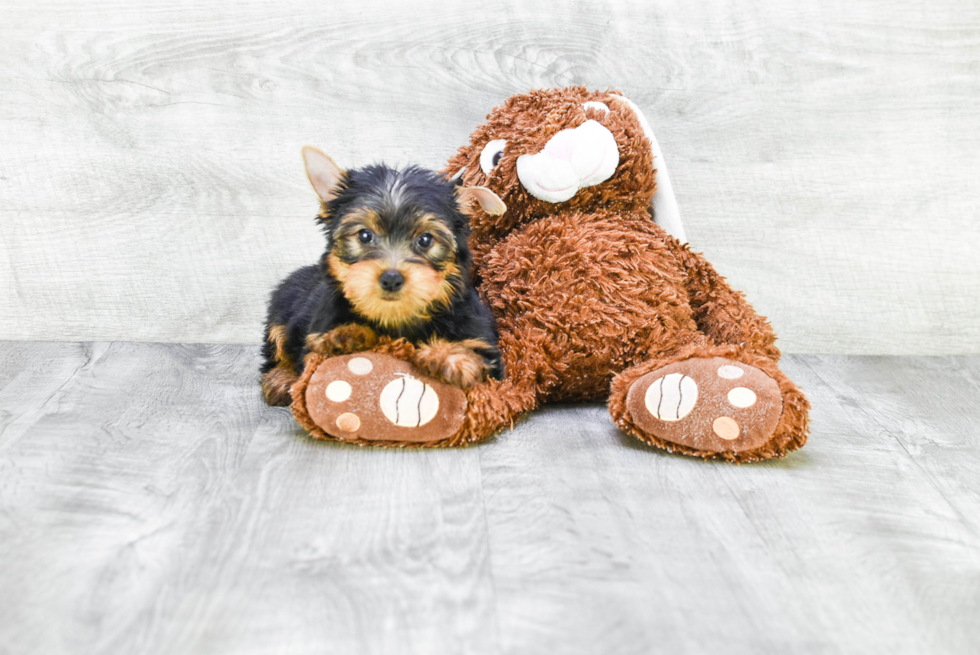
489 201
324 174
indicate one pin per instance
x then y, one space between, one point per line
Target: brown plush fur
590 294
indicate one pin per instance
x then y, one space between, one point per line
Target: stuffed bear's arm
723 313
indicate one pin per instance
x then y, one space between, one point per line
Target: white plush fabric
571 160
665 210
601 106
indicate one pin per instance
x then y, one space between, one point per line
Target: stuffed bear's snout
572 159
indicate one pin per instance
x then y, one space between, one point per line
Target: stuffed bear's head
558 149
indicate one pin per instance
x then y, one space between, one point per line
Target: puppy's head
396 239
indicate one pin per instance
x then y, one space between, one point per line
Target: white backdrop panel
824 155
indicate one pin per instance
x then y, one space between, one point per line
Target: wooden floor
150 503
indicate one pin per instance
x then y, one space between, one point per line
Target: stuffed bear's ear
324 174
488 200
664 204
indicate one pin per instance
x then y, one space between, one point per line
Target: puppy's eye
492 152
365 236
424 241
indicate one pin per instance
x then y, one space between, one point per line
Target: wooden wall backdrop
825 155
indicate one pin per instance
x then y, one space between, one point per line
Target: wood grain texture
150 503
824 156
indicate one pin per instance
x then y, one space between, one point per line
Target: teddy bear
594 301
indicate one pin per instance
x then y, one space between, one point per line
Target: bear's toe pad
709 404
374 397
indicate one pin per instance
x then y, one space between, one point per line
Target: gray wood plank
149 503
865 541
824 155
155 505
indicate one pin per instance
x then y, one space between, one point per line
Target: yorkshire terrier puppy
397 264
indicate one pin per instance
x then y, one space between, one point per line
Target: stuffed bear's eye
424 241
601 106
365 236
492 152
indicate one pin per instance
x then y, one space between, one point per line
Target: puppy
397 264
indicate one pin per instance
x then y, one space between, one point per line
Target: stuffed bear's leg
379 397
722 314
495 406
711 401
720 396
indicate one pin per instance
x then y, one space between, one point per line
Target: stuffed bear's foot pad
378 398
709 404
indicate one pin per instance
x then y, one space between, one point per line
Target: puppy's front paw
451 362
343 340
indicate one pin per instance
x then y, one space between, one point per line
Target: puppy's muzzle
391 280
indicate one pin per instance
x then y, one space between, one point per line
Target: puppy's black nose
391 280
